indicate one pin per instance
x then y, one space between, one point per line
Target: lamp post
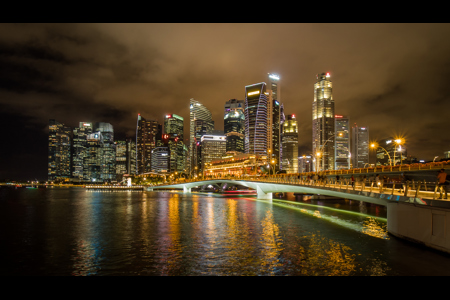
399 142
273 161
320 152
375 145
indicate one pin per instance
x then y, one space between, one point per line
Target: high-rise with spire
275 119
323 123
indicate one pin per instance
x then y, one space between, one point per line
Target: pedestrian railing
409 188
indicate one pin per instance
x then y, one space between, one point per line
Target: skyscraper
59 151
125 157
323 126
93 158
282 119
174 128
256 119
121 159
197 112
79 149
234 125
275 118
342 141
131 156
146 134
290 145
108 159
174 124
160 160
360 146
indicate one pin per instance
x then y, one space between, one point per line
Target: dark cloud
389 77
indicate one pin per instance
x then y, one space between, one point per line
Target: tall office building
290 145
213 147
160 160
131 156
79 149
323 126
174 128
59 151
234 104
93 158
275 118
282 120
121 159
360 146
146 136
234 125
197 112
174 124
256 119
108 166
125 158
342 141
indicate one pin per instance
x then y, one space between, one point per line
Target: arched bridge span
265 190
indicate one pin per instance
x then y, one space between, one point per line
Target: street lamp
273 162
375 146
323 146
399 142
318 154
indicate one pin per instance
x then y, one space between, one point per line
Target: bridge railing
408 188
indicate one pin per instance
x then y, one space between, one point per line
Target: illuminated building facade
323 123
146 136
275 118
59 151
108 165
234 125
282 119
238 165
125 158
360 146
342 143
173 132
174 124
79 149
131 156
290 145
197 112
160 160
256 119
121 159
93 159
177 152
213 147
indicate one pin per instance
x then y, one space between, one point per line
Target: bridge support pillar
262 195
186 189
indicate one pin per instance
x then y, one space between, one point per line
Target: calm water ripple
76 232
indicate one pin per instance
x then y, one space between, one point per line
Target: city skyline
389 77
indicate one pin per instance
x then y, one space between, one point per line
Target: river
79 232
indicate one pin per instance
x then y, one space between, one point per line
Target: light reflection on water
80 233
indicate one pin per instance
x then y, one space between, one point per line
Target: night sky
392 78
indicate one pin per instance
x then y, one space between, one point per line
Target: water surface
77 232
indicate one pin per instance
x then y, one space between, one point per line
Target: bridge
413 212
